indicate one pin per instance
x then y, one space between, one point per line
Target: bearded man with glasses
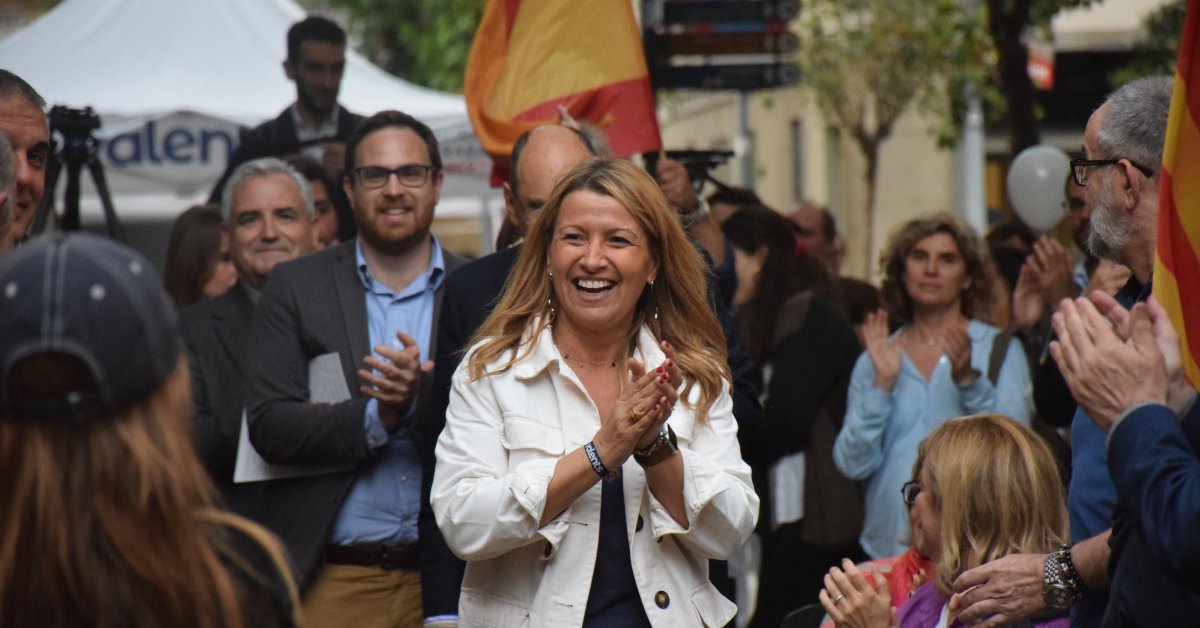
1123 146
362 536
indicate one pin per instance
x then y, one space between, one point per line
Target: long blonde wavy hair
998 489
111 522
678 296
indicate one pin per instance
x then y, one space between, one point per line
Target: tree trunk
872 156
1006 27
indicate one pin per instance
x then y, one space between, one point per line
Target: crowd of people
322 417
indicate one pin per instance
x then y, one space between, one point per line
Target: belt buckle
391 558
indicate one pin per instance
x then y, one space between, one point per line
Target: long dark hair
783 272
192 253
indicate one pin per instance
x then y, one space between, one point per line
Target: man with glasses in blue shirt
357 534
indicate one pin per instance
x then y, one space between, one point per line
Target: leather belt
386 557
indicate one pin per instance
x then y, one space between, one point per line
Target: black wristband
593 457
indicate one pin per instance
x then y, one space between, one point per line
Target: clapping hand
1108 277
853 602
645 403
1108 370
884 353
394 379
957 345
1045 279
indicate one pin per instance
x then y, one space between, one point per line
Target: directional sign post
722 44
739 45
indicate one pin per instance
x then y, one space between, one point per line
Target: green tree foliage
1158 48
423 41
868 61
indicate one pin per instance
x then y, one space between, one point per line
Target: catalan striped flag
1177 259
529 56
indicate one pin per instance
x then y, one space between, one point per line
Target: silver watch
666 436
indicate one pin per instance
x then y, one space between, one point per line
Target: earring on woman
550 296
651 283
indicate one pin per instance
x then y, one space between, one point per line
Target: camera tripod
78 149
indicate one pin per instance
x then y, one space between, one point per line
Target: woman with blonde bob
108 519
984 487
589 466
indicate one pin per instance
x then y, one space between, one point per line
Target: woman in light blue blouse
933 368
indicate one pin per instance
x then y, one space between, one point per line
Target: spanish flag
1176 263
529 56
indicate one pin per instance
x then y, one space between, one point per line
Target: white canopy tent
172 81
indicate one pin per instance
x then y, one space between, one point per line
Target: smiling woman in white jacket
589 467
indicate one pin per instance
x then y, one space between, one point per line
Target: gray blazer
312 306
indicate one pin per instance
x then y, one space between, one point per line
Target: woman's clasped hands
856 599
647 399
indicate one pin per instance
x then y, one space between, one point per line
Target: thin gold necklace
599 364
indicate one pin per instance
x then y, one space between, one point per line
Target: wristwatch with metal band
1061 584
662 448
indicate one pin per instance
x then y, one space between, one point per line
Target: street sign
701 11
731 76
723 43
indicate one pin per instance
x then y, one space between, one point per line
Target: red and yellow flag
529 56
1177 259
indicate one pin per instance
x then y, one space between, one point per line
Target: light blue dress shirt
879 438
384 502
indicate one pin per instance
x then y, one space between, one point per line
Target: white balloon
1036 186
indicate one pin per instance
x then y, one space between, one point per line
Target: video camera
698 164
77 151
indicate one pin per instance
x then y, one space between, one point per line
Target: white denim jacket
505 433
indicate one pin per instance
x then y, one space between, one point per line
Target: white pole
744 144
971 189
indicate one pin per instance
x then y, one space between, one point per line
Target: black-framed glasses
909 492
1081 168
410 175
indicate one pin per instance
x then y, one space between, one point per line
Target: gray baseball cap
94 300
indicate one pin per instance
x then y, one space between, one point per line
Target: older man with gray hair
23 120
268 210
1123 146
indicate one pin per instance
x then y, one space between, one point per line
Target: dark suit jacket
1155 561
310 307
277 138
216 333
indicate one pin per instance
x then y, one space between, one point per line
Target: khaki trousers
363 597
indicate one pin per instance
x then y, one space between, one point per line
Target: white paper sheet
326 384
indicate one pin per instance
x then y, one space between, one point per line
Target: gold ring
634 415
839 598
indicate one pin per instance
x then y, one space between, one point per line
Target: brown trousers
363 597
